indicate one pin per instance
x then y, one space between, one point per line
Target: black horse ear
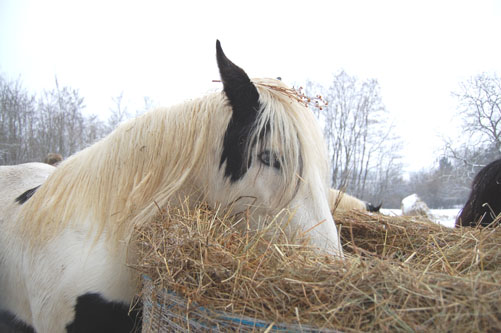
371 208
241 92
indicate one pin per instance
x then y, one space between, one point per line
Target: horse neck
178 161
120 182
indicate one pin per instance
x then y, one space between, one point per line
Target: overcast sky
417 50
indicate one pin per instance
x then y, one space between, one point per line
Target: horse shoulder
105 288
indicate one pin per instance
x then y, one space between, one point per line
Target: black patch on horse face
94 314
26 195
235 145
243 98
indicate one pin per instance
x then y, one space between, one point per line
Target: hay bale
165 311
399 273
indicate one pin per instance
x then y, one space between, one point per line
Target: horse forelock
289 128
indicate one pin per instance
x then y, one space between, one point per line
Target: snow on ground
445 217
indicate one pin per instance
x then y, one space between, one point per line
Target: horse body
484 203
65 249
340 201
42 287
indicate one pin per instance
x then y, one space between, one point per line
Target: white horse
340 201
64 245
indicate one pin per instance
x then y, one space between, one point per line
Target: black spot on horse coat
26 195
95 314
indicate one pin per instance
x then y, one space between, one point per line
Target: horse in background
65 232
484 202
341 201
53 159
413 205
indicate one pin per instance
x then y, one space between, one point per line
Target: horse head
273 156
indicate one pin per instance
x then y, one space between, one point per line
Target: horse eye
267 159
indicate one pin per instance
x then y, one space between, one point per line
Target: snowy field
445 217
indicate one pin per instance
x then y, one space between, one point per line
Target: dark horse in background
484 203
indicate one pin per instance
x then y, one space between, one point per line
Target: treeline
55 121
33 125
477 144
363 149
365 152
449 184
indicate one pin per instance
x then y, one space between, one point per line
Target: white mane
122 180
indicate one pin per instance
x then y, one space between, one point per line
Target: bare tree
119 112
31 127
479 143
480 107
360 136
61 125
17 121
94 129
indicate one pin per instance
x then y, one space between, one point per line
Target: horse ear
241 92
371 208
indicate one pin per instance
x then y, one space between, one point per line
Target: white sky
418 51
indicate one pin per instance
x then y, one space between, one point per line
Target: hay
399 273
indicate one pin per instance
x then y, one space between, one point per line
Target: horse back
16 180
